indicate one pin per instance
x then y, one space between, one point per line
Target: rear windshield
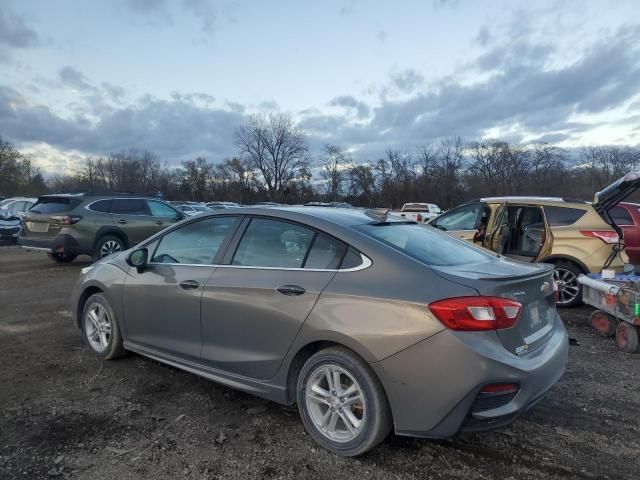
54 205
425 244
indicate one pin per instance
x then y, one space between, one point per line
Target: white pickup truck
419 212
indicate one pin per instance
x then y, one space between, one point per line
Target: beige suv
576 236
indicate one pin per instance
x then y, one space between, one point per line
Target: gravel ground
63 414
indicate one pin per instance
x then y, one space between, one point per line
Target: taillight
66 219
607 236
476 313
500 388
419 217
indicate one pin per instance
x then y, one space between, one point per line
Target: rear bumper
432 386
60 244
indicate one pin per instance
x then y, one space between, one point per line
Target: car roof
531 199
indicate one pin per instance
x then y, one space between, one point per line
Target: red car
627 216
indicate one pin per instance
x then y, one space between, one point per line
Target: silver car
368 323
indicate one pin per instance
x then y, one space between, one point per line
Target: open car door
498 229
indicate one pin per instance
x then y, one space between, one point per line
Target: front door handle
122 220
158 222
291 290
189 285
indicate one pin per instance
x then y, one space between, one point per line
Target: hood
610 196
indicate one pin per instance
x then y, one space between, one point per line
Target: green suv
68 225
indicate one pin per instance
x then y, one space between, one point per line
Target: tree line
274 163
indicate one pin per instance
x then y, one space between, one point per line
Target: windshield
425 244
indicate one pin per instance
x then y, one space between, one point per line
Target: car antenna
379 214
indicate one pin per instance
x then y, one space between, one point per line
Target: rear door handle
158 222
122 220
189 285
291 290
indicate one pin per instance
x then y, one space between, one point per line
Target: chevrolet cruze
366 322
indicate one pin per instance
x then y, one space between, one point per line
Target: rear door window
325 253
48 205
129 206
102 206
621 216
272 243
563 216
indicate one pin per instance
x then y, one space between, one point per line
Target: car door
162 303
133 217
254 305
163 214
461 222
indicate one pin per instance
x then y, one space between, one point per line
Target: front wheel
100 328
342 403
569 290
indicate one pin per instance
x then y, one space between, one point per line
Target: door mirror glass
138 258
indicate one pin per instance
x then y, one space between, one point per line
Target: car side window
102 206
462 218
325 253
159 209
272 243
351 260
564 216
196 243
129 206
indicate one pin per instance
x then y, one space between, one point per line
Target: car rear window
563 216
54 205
621 216
425 244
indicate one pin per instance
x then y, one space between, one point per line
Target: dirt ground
63 414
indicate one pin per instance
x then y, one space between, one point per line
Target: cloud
438 4
407 81
382 36
159 12
75 79
349 102
204 11
484 36
14 32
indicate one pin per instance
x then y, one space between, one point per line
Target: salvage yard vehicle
351 314
11 211
68 225
576 236
419 212
627 217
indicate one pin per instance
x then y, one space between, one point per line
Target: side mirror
138 258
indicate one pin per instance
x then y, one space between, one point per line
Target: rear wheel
61 257
626 337
603 323
342 403
107 245
569 290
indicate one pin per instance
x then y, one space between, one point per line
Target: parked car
627 217
221 205
68 225
11 210
575 236
191 209
350 314
419 212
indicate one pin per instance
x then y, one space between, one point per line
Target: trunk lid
529 284
613 194
38 223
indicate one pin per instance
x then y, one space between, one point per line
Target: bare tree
335 163
275 148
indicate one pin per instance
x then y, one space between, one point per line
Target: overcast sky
176 77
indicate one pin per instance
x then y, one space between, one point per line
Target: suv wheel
100 328
569 290
342 403
61 257
108 245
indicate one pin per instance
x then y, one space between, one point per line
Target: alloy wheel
335 403
97 327
109 247
568 287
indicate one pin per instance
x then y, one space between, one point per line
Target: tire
603 323
569 290
61 257
100 328
367 404
108 245
627 337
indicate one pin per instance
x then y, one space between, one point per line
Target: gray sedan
366 322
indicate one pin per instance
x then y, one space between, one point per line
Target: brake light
500 388
419 217
66 219
607 236
476 313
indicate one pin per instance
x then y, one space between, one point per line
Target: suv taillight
419 217
476 313
66 219
607 236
